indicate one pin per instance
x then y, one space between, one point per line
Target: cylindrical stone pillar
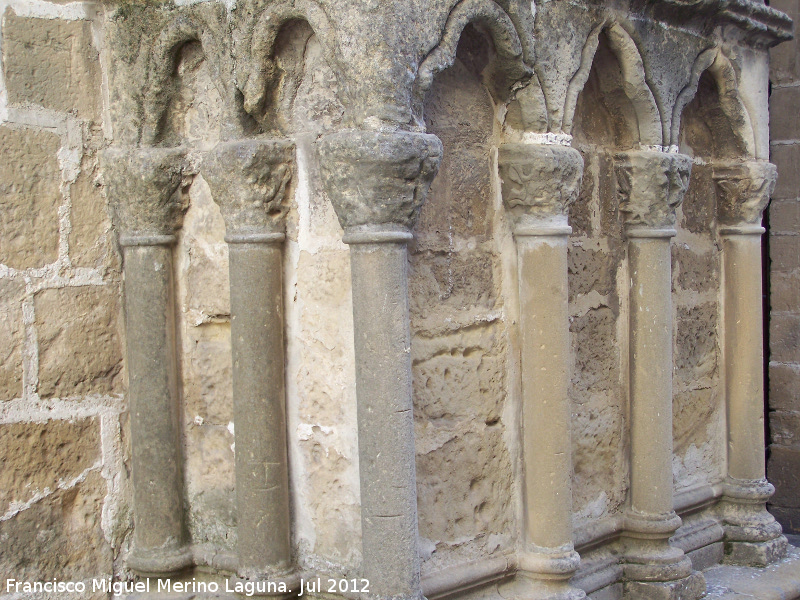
650 187
752 536
539 183
141 184
377 183
248 181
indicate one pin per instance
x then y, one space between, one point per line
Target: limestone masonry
399 299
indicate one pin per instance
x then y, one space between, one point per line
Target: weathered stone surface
787 158
39 457
90 237
696 344
78 317
784 254
695 271
744 189
651 186
784 386
140 185
699 205
51 63
393 171
539 180
59 537
248 181
785 428
784 341
784 216
29 197
783 470
12 339
591 270
782 104
784 291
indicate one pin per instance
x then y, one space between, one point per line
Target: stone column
248 181
538 184
377 183
752 536
141 185
651 185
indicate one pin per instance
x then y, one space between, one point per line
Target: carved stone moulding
378 180
651 185
743 192
539 182
248 180
141 185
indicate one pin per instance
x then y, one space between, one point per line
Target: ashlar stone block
51 63
12 338
29 197
79 340
37 456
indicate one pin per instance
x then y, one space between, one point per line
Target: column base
755 554
262 586
160 562
752 535
527 586
692 587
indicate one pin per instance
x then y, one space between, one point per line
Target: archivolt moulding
507 40
633 76
719 66
260 71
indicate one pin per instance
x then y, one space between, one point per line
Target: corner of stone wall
63 508
783 468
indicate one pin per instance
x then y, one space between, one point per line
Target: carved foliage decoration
539 180
141 185
651 186
743 191
376 178
248 181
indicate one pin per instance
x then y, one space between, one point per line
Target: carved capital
248 180
141 185
743 191
539 182
378 179
651 185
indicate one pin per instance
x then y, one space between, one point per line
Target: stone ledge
780 581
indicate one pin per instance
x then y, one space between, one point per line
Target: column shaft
153 396
651 375
385 418
262 480
752 536
744 375
544 324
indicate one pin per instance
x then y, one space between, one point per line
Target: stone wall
64 498
784 277
79 77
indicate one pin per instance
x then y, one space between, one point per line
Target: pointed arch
714 61
504 35
634 80
261 70
180 31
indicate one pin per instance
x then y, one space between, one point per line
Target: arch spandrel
738 133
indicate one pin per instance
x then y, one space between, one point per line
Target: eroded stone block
12 339
784 386
51 63
90 238
79 340
787 158
784 343
59 537
783 470
29 197
39 456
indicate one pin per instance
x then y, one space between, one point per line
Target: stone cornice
378 179
248 180
758 24
539 181
743 191
650 187
141 184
